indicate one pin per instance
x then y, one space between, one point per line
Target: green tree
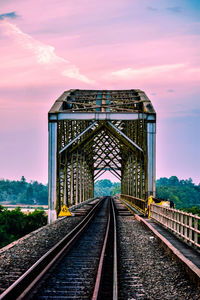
116 189
173 180
22 192
23 179
103 187
29 194
15 224
184 193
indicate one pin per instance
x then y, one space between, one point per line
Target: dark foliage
105 187
22 192
184 193
15 224
193 210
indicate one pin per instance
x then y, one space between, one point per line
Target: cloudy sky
47 47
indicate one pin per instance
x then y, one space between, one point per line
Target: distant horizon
35 180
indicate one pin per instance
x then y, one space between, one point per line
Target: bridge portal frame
55 117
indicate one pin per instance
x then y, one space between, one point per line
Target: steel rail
115 274
97 288
101 261
23 286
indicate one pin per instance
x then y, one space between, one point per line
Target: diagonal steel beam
114 174
95 178
77 137
88 138
122 134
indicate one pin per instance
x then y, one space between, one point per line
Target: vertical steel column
134 189
131 167
121 182
151 152
92 185
72 181
68 183
52 171
64 185
86 182
126 176
129 175
81 179
136 176
77 178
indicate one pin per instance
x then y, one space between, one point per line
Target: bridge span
109 247
94 131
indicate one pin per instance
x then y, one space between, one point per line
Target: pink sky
50 46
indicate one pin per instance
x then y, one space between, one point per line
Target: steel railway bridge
107 250
94 131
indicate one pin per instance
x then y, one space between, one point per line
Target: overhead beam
100 116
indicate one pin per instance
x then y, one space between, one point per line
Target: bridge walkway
178 249
188 252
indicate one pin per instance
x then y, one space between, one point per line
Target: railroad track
83 265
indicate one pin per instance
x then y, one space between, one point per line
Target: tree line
184 193
22 192
105 187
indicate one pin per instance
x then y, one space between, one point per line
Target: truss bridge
104 247
94 131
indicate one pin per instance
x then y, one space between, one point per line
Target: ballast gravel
145 270
16 258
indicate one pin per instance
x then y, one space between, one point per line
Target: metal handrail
183 224
138 203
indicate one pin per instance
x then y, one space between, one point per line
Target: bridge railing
136 202
185 225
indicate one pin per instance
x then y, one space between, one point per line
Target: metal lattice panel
92 131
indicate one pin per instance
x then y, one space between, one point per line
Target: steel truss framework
91 131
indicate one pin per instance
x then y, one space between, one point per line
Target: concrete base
52 216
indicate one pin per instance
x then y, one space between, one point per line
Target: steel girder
94 131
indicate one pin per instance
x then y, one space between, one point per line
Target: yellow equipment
157 201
